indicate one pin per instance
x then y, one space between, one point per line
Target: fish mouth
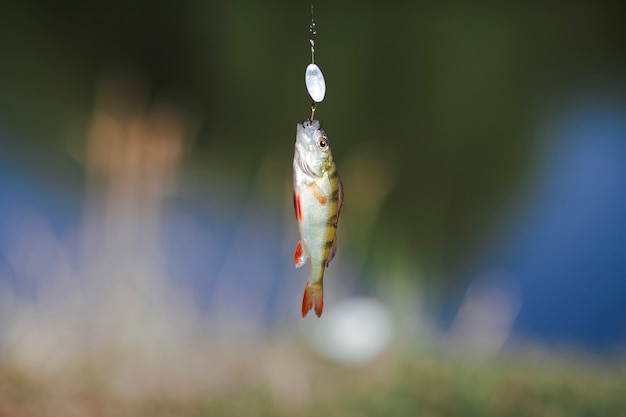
308 124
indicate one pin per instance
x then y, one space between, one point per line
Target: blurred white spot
354 331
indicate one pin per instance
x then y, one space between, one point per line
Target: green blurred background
446 97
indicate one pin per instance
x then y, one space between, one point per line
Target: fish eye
323 143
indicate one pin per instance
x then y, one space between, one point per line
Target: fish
317 200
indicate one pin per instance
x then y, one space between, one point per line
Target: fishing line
312 34
313 77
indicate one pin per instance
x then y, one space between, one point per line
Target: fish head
312 153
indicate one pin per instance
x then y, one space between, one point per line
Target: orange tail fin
313 295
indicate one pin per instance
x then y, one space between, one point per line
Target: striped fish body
318 196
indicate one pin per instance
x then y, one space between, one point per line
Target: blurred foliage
398 387
446 95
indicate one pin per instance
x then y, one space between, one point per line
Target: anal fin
299 256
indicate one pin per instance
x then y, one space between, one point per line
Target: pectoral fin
317 193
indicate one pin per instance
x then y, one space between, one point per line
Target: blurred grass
428 386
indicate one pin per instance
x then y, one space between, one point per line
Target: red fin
313 296
297 254
299 257
296 205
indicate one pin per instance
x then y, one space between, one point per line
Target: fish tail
313 296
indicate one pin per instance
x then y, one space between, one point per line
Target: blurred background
147 227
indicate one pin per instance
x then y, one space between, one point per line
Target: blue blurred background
145 173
